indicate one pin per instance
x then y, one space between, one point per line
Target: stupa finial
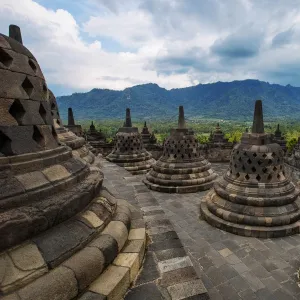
145 124
258 120
128 118
71 120
15 33
181 120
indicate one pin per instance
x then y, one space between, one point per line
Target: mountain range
221 100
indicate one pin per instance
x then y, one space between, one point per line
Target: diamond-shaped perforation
5 144
27 86
258 178
37 136
17 111
247 177
32 65
43 113
5 58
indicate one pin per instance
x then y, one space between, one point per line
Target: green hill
220 100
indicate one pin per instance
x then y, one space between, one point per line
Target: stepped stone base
135 164
189 177
257 226
94 255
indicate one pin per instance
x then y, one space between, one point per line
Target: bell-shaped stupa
279 139
254 197
129 151
181 168
67 137
59 228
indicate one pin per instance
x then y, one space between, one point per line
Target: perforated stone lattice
129 143
186 148
28 106
257 167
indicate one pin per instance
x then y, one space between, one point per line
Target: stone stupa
67 137
217 137
279 139
254 197
147 137
59 228
129 151
181 168
75 128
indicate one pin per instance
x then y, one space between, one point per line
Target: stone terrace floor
230 266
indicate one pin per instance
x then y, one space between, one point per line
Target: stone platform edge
104 268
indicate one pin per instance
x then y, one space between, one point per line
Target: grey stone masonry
167 271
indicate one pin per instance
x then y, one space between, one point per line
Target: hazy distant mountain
222 100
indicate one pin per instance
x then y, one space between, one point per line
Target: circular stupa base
135 165
244 229
180 177
178 189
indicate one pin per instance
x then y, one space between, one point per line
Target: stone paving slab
230 266
165 253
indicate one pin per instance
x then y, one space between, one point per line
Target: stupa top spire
71 120
181 119
258 119
128 118
15 33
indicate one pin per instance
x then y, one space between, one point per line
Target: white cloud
171 43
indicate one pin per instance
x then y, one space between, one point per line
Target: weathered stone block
129 260
59 284
113 283
137 234
188 289
174 264
56 173
118 231
87 264
135 246
91 219
6 118
33 180
178 275
62 241
20 266
107 245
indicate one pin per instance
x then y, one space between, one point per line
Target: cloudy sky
115 44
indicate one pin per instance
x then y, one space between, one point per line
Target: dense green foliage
220 100
232 129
